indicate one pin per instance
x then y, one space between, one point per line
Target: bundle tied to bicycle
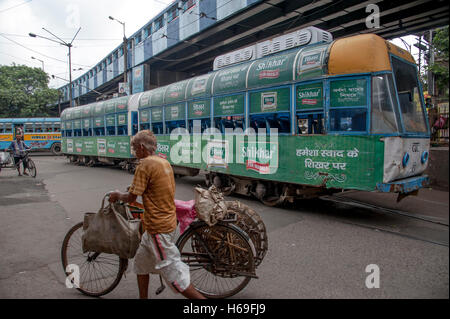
210 205
112 230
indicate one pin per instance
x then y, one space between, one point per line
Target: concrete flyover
187 44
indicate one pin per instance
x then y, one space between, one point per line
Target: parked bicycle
7 161
222 258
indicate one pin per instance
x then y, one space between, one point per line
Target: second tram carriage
349 115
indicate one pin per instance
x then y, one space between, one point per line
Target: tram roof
362 53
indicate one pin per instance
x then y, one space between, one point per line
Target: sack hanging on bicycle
210 205
112 230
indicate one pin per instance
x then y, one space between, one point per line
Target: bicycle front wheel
220 258
99 273
31 168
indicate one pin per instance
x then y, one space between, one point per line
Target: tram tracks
397 222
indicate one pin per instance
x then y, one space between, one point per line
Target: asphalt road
317 249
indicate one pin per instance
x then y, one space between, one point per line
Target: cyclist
19 149
157 253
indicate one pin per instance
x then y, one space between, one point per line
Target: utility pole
430 79
125 52
69 45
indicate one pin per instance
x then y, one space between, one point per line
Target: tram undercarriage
268 192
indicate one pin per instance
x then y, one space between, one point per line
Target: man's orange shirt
154 181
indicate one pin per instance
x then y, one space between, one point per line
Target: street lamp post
39 60
69 45
125 50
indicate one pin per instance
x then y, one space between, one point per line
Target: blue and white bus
41 133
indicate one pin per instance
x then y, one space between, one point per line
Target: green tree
440 65
24 92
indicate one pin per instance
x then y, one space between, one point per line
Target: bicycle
222 258
7 161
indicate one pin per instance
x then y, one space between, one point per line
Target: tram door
134 123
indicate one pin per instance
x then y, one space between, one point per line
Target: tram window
348 120
229 122
384 115
280 121
110 130
409 97
122 130
144 126
204 124
99 131
310 123
157 128
77 132
87 132
173 126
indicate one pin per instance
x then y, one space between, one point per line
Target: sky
98 36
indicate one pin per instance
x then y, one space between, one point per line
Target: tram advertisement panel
310 96
229 105
329 161
110 146
270 101
351 92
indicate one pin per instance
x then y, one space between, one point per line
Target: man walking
157 253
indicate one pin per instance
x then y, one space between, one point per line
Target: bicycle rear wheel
220 258
99 273
31 168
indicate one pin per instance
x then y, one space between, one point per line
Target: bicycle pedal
160 289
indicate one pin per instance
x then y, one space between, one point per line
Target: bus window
279 121
2 130
310 123
384 114
57 127
28 127
8 128
157 128
173 126
202 123
229 122
38 127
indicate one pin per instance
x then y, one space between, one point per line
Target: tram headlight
405 160
424 157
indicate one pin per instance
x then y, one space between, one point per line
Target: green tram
348 114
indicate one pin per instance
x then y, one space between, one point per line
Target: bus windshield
411 106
